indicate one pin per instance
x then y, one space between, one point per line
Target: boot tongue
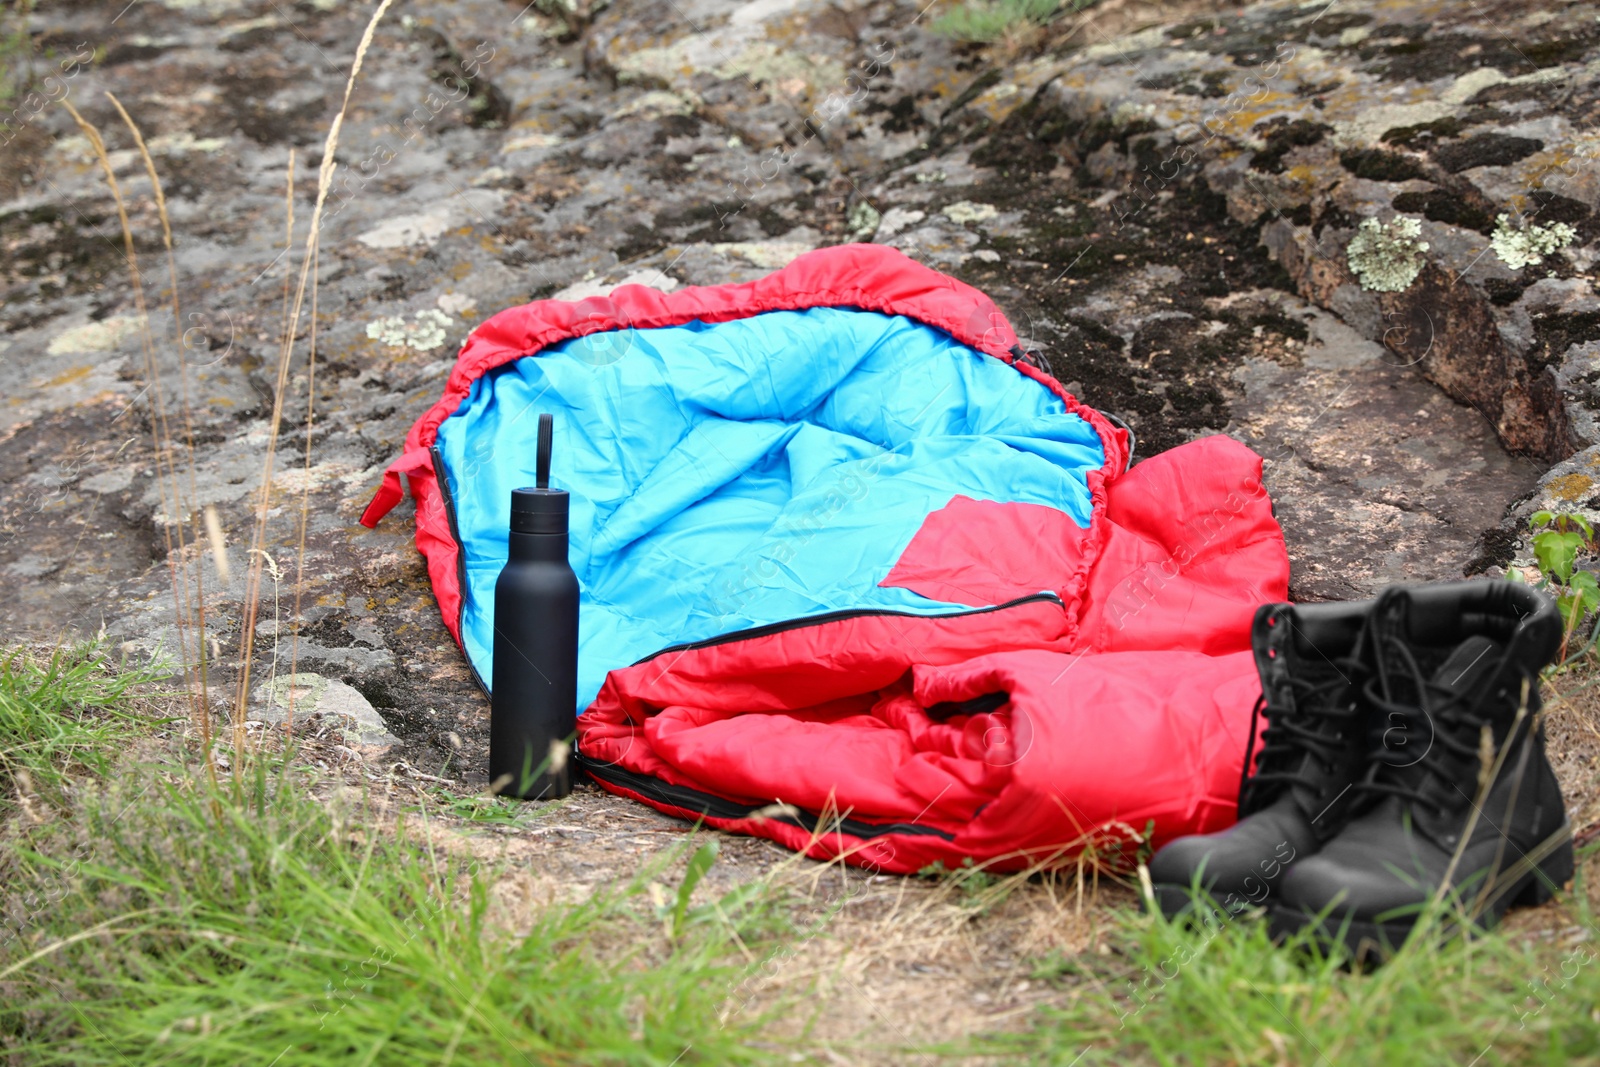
1468 667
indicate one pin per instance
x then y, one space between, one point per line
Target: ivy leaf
1583 524
1541 518
1556 553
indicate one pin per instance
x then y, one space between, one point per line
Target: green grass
1171 995
149 917
16 50
986 21
491 810
62 714
158 919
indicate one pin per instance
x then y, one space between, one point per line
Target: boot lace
1290 735
1442 714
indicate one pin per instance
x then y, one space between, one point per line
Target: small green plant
480 807
677 914
986 21
970 879
751 911
979 890
1059 967
1559 539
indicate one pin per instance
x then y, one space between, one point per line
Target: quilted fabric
854 576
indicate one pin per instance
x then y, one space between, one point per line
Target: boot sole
1370 941
1177 902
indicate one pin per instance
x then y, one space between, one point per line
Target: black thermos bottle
535 686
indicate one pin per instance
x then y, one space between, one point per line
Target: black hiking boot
1456 754
1313 749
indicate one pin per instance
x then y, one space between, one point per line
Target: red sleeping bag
1095 689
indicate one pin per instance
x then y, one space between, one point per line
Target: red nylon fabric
1129 701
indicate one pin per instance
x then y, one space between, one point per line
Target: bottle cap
539 511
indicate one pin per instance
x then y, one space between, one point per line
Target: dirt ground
886 963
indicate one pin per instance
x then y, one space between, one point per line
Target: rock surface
1171 234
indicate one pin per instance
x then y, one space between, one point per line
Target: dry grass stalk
198 603
257 553
263 505
305 492
168 484
219 546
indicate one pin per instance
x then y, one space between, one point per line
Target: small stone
531 140
769 254
315 695
33 565
658 103
455 303
403 230
1471 84
112 481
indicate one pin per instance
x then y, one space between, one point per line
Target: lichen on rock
425 333
964 211
1528 245
1387 257
863 221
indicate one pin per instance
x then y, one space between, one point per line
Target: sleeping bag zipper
764 630
447 498
714 807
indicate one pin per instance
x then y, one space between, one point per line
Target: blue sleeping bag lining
735 474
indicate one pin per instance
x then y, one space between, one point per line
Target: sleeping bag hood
857 574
